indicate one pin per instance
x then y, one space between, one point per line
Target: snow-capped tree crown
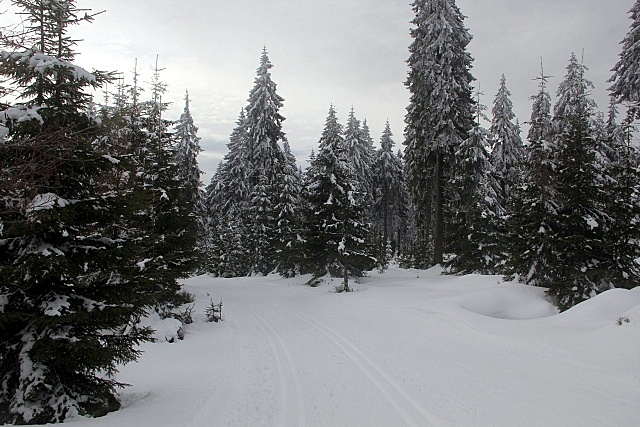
439 77
186 134
386 141
626 84
263 119
573 93
540 122
508 151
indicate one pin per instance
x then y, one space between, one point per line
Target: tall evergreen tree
578 266
170 221
264 135
191 196
534 206
476 209
622 202
508 152
626 84
70 254
214 201
624 199
335 241
439 116
289 217
227 201
389 208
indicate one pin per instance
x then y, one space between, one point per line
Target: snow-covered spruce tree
534 204
406 220
439 116
476 210
227 202
626 84
508 152
262 239
68 246
390 199
336 231
173 252
367 138
213 201
226 255
264 134
237 167
289 221
578 267
360 149
622 201
191 196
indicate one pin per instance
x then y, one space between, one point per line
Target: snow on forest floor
407 348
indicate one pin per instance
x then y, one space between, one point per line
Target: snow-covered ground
408 348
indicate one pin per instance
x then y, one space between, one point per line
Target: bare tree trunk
438 243
345 284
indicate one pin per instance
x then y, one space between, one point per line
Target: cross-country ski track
407 348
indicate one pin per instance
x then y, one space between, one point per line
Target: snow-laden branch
42 63
18 114
45 201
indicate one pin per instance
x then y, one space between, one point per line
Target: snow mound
164 329
508 302
605 308
169 330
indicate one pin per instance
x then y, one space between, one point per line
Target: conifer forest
104 212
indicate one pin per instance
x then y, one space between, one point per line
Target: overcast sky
342 52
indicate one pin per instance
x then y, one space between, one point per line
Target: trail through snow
407 348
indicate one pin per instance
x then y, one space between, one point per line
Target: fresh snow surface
407 348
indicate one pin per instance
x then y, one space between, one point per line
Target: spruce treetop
366 134
626 84
502 105
573 93
360 148
264 127
264 122
186 134
508 150
353 131
41 62
386 141
439 77
540 122
332 132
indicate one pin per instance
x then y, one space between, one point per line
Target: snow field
407 348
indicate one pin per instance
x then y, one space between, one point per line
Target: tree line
344 215
560 211
557 210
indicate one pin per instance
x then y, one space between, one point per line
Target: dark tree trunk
438 244
346 279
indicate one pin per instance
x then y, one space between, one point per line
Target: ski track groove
373 371
280 352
